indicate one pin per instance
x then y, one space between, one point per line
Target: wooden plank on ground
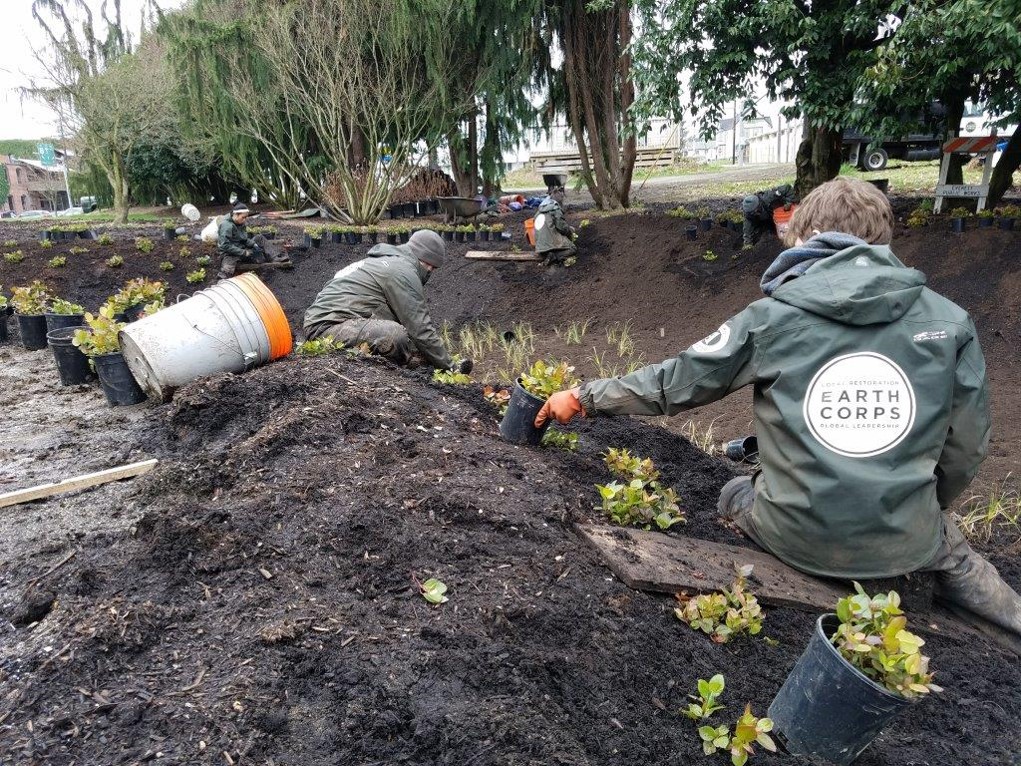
79 482
668 564
501 255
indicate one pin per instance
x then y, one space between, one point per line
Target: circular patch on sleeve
713 342
540 221
859 405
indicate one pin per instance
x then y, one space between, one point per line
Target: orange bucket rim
281 342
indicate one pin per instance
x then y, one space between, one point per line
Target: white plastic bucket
230 327
191 212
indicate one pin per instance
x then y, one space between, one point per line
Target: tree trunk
118 178
954 103
1003 174
473 154
818 159
491 162
455 143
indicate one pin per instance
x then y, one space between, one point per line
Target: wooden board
501 255
662 563
668 564
79 482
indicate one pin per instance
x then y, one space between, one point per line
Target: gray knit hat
240 207
427 246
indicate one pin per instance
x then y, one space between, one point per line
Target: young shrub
144 244
985 213
726 614
57 262
557 439
683 213
77 250
706 702
11 243
450 378
873 637
46 244
318 347
31 299
66 308
960 212
434 591
544 379
115 261
640 498
101 337
748 731
166 266
709 256
714 738
185 252
182 238
16 257
104 239
498 397
194 277
203 260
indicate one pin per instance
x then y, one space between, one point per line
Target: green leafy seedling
433 591
166 266
748 731
723 615
706 702
714 738
115 261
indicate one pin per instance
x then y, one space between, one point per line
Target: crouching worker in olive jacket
380 301
871 408
236 246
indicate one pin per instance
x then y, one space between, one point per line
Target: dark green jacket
551 229
870 409
386 285
233 239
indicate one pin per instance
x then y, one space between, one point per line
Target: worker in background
758 211
554 239
871 408
236 246
380 301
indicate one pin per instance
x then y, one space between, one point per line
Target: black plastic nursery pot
1007 224
518 424
3 326
985 222
404 236
827 710
336 237
87 234
410 209
270 235
459 236
706 224
372 237
392 239
45 235
169 232
316 241
396 211
72 364
307 240
448 236
691 232
56 321
469 236
484 235
33 331
957 225
118 383
353 237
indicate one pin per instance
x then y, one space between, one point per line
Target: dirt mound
265 606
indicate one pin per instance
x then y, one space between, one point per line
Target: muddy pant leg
559 255
966 579
228 265
271 251
735 504
384 338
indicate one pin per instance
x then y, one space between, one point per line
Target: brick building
32 186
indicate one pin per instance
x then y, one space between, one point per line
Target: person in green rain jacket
554 237
871 407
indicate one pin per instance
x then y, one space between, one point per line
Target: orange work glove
562 406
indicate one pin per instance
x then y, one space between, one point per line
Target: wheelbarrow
454 208
554 178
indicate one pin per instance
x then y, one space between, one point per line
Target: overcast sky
19 32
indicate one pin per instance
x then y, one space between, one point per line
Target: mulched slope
343 480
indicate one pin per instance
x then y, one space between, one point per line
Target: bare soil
254 599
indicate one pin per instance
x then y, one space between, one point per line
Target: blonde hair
845 205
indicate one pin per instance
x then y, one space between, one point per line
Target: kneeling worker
380 301
871 408
758 211
554 239
235 245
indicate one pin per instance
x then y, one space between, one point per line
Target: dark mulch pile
265 606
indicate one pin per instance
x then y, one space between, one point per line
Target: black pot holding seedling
372 237
337 237
307 240
409 209
353 237
169 232
827 709
33 331
396 211
118 383
87 234
957 225
691 232
392 238
484 235
72 365
706 224
316 241
1007 224
518 424
58 321
448 236
3 326
45 235
985 221
404 236
459 236
469 236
